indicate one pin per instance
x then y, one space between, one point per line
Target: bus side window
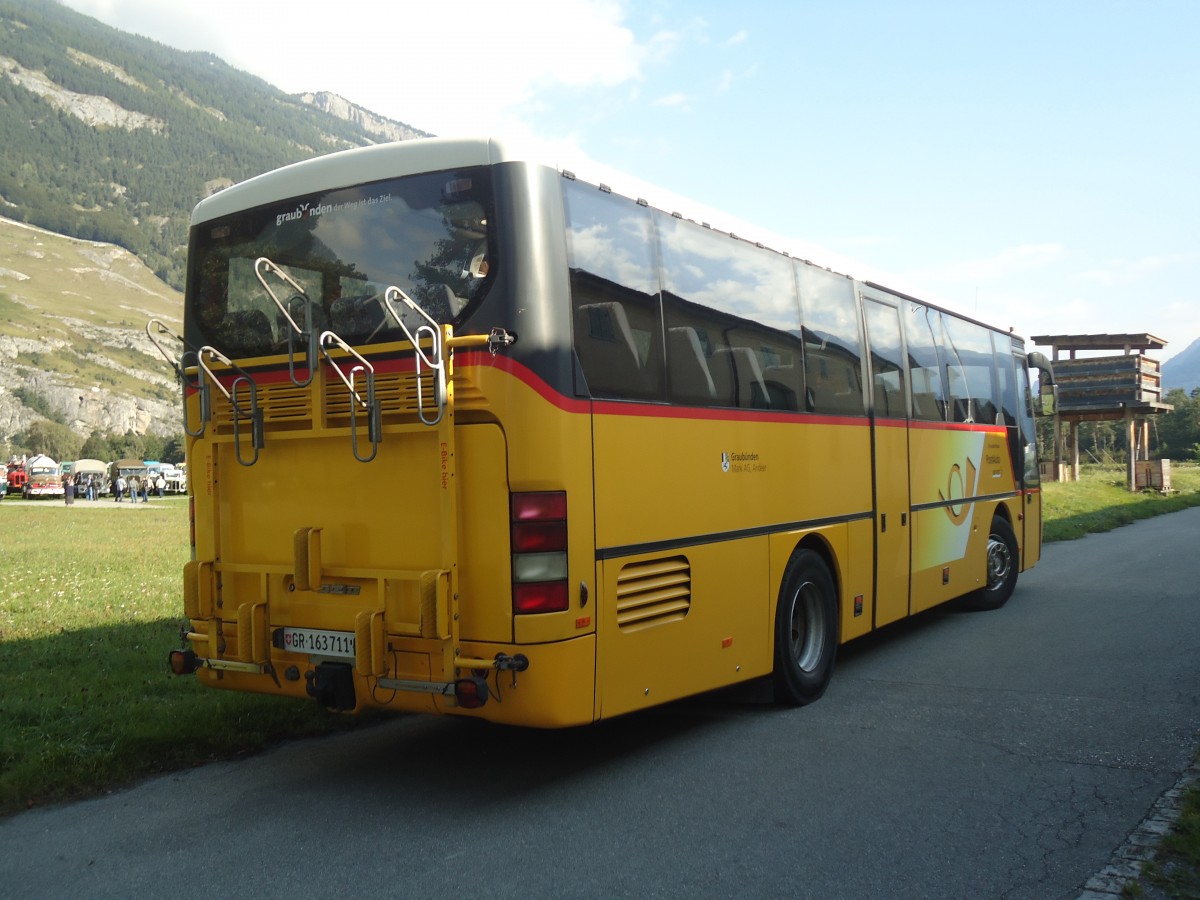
749 388
925 370
607 350
832 342
691 379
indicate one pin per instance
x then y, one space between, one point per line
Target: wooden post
1131 472
1074 450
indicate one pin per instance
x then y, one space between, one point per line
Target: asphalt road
962 755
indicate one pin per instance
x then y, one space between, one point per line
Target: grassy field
90 606
1099 502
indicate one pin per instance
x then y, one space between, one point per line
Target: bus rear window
430 235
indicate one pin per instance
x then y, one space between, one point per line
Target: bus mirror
1047 399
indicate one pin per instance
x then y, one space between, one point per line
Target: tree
174 449
54 440
97 446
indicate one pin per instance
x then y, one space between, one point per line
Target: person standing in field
120 487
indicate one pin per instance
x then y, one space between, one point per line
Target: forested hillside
113 137
110 137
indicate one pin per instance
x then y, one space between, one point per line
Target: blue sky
1031 164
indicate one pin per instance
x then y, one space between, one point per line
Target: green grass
1099 501
90 605
1176 868
89 608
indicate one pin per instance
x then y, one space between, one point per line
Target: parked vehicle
124 468
16 477
43 478
176 479
95 469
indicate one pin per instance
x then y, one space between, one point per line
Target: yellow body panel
656 644
892 523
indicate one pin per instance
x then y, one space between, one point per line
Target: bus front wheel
806 631
1003 556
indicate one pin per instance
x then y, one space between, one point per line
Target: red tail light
539 552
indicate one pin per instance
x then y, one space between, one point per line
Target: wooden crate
1153 474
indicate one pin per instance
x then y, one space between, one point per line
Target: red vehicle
17 478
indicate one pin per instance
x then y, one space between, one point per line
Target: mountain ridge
110 141
1183 369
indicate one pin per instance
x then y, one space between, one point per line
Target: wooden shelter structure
1112 387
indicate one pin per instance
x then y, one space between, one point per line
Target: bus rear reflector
538 536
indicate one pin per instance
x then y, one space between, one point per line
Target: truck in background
43 478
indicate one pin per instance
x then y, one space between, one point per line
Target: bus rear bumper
537 685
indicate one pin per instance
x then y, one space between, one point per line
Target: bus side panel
681 622
694 484
1032 549
949 469
674 478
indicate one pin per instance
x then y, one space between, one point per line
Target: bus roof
362 165
358 166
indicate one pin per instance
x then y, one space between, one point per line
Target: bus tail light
539 552
471 693
183 662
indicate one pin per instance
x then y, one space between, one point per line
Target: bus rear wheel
1003 556
806 631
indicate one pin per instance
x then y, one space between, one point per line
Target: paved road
981 755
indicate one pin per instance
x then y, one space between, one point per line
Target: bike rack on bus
370 404
254 415
263 267
433 360
181 366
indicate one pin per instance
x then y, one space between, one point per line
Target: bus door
890 477
1031 520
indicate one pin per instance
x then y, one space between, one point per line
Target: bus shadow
467 763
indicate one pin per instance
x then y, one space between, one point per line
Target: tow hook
517 663
331 685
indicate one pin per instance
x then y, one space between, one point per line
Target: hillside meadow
90 606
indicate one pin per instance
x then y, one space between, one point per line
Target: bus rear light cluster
539 552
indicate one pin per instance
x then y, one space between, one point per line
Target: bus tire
1003 556
806 631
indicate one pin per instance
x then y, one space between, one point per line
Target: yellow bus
469 434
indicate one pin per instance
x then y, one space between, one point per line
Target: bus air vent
284 407
395 391
653 592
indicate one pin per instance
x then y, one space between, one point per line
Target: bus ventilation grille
283 406
653 592
395 391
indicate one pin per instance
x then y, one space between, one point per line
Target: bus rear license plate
318 642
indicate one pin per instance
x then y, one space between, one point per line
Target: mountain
1183 369
109 140
73 345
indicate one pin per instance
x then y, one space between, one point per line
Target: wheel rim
999 562
807 627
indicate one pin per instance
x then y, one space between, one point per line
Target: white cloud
675 100
1119 271
1008 261
446 68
